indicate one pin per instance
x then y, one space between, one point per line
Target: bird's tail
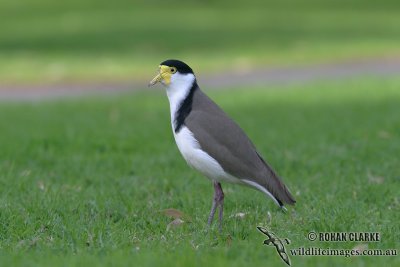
275 186
285 196
279 190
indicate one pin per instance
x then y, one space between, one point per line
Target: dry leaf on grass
41 185
374 179
174 224
173 213
239 215
176 214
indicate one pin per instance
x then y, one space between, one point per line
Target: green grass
82 181
70 41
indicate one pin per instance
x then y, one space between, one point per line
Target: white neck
177 91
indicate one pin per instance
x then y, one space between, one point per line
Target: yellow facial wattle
164 75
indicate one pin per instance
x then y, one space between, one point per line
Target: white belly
198 159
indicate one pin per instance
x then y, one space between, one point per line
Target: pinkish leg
217 201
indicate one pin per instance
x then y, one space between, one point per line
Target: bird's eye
173 70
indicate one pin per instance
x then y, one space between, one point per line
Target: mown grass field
46 41
83 181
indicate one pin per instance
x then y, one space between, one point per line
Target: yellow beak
164 74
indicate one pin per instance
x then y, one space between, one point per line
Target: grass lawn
83 181
71 41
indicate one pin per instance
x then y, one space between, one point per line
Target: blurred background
72 45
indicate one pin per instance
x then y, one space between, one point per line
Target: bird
212 143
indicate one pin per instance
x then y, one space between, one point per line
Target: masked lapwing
211 142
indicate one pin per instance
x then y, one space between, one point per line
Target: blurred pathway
383 67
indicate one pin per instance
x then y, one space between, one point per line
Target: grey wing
227 143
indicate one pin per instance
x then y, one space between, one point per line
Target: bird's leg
220 194
213 207
212 212
218 200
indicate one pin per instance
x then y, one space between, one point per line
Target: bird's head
172 73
